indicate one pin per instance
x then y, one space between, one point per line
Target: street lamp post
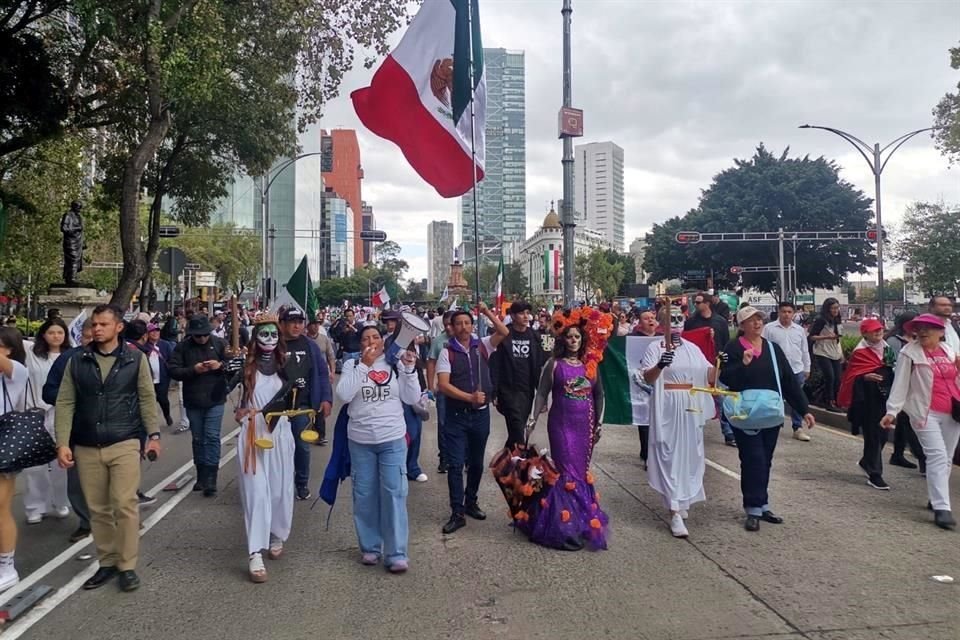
877 164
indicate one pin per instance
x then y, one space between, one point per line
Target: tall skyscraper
343 172
369 224
439 254
501 195
598 189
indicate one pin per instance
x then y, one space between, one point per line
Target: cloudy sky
686 87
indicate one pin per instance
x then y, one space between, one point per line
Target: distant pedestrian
13 379
720 328
793 341
904 435
827 352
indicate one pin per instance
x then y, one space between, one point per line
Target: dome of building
552 221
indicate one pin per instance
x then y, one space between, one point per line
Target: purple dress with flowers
570 510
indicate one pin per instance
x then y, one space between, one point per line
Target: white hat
748 312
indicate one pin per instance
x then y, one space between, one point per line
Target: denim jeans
466 432
301 452
414 430
379 475
205 428
441 422
795 418
756 457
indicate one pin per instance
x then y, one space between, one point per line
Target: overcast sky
686 87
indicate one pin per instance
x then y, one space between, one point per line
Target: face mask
267 337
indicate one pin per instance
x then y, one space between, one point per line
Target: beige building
439 254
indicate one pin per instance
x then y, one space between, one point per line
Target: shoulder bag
24 439
757 409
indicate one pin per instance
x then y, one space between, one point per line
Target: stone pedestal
72 300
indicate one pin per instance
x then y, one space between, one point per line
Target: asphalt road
850 563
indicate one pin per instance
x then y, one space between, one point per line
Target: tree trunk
153 247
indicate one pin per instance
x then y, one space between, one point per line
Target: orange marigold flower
564 516
570 486
589 478
595 523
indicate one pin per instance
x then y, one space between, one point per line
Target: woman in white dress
266 474
13 379
675 462
46 485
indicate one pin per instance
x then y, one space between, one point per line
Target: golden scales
308 435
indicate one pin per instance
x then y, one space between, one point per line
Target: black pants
162 390
874 437
756 457
832 371
904 436
644 430
466 432
515 409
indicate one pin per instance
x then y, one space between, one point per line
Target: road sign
688 237
172 260
205 279
169 231
695 274
570 122
373 235
736 270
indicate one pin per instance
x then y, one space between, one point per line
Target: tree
928 246
222 248
627 265
597 271
946 117
387 258
763 194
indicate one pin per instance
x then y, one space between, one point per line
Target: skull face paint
267 337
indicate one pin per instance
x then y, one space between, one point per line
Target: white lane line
24 624
76 547
722 469
837 432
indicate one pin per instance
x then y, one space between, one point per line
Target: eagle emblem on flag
441 80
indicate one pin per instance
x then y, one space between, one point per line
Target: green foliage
848 343
627 264
514 280
386 255
763 194
358 287
946 117
928 245
597 274
230 252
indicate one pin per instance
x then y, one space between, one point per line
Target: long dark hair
825 311
560 346
41 348
898 323
10 338
250 366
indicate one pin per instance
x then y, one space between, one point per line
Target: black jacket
759 374
106 412
503 372
200 390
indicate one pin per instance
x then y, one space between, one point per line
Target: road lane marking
68 554
722 469
837 432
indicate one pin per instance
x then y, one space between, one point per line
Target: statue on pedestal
71 226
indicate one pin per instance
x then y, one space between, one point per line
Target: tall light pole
570 126
877 163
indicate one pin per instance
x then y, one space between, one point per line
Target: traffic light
872 235
688 237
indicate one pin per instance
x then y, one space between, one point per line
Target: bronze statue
71 226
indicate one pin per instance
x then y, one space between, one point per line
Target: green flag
301 290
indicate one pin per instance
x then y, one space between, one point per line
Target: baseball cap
870 324
292 314
747 312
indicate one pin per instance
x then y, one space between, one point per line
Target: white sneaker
677 528
801 435
61 512
34 518
422 477
8 578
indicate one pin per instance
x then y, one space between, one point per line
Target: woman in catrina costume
265 451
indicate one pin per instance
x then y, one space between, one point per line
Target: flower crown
598 327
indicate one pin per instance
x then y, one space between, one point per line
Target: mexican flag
381 298
499 300
299 292
551 269
626 396
420 96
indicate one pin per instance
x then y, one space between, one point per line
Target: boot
210 487
201 478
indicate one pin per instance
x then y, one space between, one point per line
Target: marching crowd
103 400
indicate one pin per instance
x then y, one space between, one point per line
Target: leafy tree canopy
946 117
928 246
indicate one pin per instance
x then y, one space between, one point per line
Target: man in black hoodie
515 367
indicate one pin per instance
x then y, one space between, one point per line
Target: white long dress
266 485
45 485
675 464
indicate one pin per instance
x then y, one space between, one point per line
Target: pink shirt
944 381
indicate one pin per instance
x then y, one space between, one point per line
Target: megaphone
411 326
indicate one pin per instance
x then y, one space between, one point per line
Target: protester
13 378
317 333
864 390
647 326
464 377
346 333
105 402
792 339
925 388
413 413
160 353
904 435
677 417
623 324
516 366
198 363
706 318
436 346
942 307
45 488
307 367
827 353
374 392
750 365
720 307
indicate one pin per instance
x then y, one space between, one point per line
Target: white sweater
913 384
376 410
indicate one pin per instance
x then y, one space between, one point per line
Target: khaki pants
110 477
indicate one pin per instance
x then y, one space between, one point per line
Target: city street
850 563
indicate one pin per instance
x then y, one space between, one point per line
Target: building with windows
343 173
501 195
598 189
439 254
335 237
369 223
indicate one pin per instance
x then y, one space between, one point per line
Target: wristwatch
154 436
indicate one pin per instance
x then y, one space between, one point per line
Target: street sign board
570 122
688 237
170 231
373 235
695 274
172 260
205 279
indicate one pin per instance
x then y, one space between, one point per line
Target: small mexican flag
500 286
626 396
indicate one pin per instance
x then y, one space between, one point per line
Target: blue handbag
756 409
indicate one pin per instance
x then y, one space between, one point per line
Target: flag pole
473 161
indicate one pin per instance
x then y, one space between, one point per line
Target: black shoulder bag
24 439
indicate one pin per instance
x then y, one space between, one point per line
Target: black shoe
771 517
144 500
169 420
210 487
456 521
944 519
752 523
929 506
201 478
475 512
79 534
833 408
303 493
129 580
441 468
900 461
864 469
877 482
572 544
100 578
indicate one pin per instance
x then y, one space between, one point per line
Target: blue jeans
465 432
724 423
795 417
441 421
301 452
756 457
380 487
414 429
205 428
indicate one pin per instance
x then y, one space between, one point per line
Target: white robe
676 461
267 492
45 485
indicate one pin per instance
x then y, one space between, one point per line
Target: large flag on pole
381 298
627 395
499 300
445 294
299 291
420 96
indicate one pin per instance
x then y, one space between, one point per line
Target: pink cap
925 318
